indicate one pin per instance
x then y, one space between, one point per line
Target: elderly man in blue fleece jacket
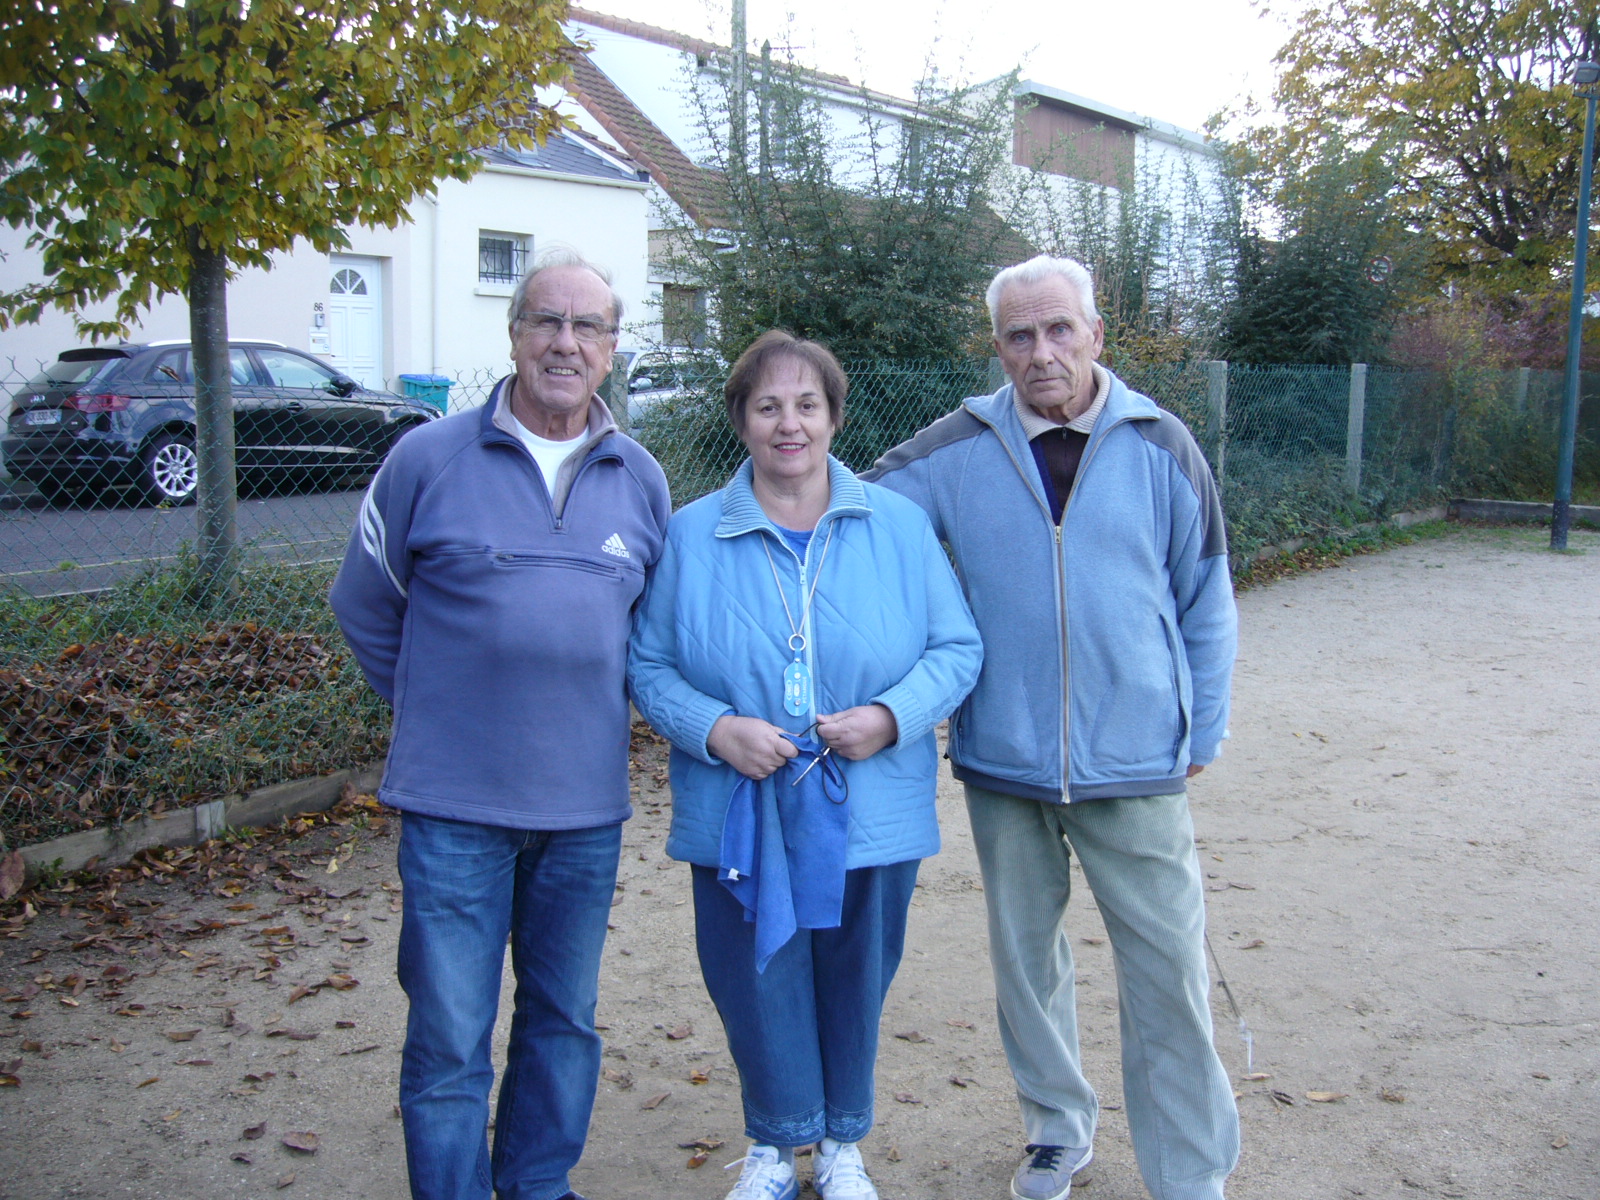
1086 528
488 593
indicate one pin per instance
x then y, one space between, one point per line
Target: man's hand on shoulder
1194 769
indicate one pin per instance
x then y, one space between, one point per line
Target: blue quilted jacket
888 626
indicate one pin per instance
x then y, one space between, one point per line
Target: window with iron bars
502 257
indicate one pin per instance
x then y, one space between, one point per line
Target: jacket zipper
1066 657
1061 588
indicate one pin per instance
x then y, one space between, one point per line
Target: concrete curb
1520 510
1403 520
190 826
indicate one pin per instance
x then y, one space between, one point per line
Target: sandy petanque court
1400 843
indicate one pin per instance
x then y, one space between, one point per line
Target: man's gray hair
1036 270
559 256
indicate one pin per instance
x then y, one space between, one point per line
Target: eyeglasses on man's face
546 326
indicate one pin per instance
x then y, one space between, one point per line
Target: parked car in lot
656 380
113 416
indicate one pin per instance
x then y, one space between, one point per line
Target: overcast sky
1174 60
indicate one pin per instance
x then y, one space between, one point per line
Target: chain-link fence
125 687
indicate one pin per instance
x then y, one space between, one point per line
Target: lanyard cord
805 613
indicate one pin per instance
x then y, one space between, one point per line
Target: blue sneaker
1046 1174
765 1176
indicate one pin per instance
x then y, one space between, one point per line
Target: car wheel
171 469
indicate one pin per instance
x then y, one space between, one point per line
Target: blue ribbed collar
742 512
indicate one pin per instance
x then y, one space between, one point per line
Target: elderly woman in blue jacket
800 639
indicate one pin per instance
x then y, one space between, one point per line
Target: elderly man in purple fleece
488 591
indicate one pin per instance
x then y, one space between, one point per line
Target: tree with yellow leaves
1476 99
154 147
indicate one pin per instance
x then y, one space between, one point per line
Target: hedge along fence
121 696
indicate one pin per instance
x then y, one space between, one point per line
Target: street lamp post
1584 77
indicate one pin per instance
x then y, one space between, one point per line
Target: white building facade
428 297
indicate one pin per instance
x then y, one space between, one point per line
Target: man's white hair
1036 270
559 256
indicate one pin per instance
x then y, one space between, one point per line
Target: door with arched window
355 318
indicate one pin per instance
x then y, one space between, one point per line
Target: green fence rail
124 690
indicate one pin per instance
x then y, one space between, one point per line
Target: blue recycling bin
430 389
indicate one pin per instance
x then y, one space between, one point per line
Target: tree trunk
217 494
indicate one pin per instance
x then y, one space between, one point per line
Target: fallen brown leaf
698 1077
1257 1077
623 1079
1253 944
300 992
911 1035
957 1023
241 1157
894 1154
907 1098
705 1143
1392 1095
681 1032
285 1180
1560 1143
255 1131
1324 1097
303 1140
697 1159
294 1035
181 1035
148 1082
12 873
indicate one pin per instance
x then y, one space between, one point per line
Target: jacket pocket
512 559
1180 685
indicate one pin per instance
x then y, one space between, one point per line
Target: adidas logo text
613 545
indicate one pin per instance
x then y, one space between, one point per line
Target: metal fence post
1355 427
615 391
1519 398
996 379
1217 407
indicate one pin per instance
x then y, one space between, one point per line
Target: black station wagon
113 416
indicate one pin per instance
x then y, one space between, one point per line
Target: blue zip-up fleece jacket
498 629
888 626
1125 609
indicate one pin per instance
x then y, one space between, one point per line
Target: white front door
355 318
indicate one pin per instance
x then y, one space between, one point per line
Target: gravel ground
1399 846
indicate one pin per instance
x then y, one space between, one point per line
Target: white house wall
448 323
436 321
274 304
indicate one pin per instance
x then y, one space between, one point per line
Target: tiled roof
692 188
560 153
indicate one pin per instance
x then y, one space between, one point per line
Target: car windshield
66 373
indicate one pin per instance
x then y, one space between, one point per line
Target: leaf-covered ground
127 726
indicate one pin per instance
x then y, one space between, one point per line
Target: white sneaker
842 1175
765 1176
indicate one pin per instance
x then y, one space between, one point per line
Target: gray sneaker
1046 1174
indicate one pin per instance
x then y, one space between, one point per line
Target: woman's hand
751 746
859 732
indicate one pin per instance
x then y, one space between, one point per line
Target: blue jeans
804 1033
1138 857
467 887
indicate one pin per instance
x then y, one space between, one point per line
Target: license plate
42 416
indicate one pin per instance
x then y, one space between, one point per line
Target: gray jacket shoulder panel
1173 436
953 427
